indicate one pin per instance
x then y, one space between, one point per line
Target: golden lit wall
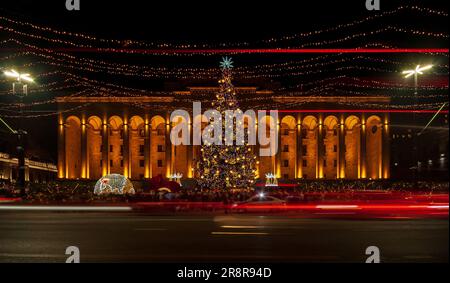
136 142
358 148
288 139
180 159
330 147
267 163
158 138
373 147
115 143
73 147
94 142
179 153
352 146
309 141
196 148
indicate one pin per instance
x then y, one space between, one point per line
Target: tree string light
230 165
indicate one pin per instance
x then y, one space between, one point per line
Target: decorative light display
176 177
422 10
114 184
73 69
338 80
226 166
271 180
90 39
287 69
284 69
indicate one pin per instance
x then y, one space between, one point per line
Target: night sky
213 22
189 20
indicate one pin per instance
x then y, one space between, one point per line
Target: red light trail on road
360 111
347 206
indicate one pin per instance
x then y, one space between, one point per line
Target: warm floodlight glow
12 74
417 70
26 77
18 76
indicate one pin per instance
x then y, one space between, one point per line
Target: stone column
61 148
341 149
27 172
84 152
277 167
189 153
386 148
362 147
126 149
299 148
147 147
11 172
320 146
256 150
105 148
168 147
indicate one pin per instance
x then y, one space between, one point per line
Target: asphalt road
131 237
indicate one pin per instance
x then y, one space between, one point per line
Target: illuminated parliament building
318 138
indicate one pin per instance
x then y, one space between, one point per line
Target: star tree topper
227 63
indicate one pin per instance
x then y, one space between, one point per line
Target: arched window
309 143
352 147
94 147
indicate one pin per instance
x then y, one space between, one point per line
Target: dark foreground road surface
131 237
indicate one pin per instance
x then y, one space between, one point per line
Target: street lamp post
408 73
21 79
416 72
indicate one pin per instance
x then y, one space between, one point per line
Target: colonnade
311 146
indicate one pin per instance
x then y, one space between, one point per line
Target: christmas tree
227 166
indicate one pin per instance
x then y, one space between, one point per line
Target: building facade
131 136
35 172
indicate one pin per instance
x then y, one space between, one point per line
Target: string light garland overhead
140 43
69 67
274 70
